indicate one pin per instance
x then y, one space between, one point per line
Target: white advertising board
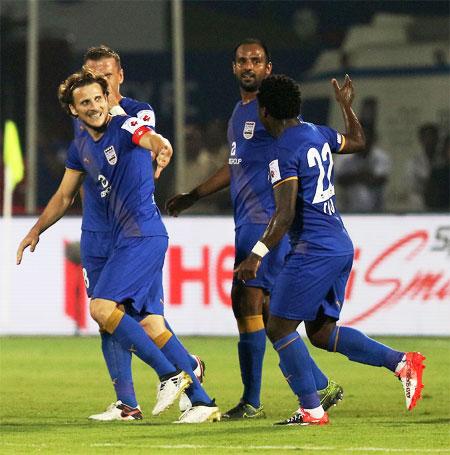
400 283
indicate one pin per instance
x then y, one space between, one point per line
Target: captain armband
260 249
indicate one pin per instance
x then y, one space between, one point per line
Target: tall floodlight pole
32 105
179 92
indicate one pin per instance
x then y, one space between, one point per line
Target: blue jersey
251 192
303 152
121 174
94 215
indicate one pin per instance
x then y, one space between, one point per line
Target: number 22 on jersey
324 161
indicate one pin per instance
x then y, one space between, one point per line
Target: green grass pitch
50 385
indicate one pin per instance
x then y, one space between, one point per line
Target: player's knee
93 310
272 331
101 310
153 325
246 301
319 338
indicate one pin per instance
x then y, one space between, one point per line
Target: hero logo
233 153
111 155
249 129
105 185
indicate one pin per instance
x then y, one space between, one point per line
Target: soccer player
246 174
311 285
113 154
96 240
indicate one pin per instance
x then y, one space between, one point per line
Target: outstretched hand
176 204
345 94
31 240
163 156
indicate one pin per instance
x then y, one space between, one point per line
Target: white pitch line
286 447
213 447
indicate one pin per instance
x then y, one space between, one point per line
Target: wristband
117 110
260 249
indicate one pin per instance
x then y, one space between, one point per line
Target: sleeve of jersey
335 139
283 168
72 160
136 128
147 115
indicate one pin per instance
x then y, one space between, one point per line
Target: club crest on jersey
111 155
249 129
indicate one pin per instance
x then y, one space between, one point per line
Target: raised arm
218 181
55 209
355 140
285 194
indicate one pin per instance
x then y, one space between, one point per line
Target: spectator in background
418 169
363 176
206 151
437 188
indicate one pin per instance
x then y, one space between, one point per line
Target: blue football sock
177 354
360 348
320 379
129 333
192 360
118 361
251 349
295 363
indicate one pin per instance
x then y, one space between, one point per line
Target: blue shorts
246 237
310 283
95 248
132 275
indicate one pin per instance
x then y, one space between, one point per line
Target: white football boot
118 411
200 414
185 402
170 391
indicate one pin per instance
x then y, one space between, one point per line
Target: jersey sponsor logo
233 153
111 155
249 129
339 138
104 183
274 171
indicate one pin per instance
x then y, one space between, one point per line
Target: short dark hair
76 80
281 96
256 41
99 52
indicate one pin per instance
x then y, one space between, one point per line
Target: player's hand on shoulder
30 240
346 93
176 204
247 269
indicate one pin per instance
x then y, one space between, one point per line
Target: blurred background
177 56
397 53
